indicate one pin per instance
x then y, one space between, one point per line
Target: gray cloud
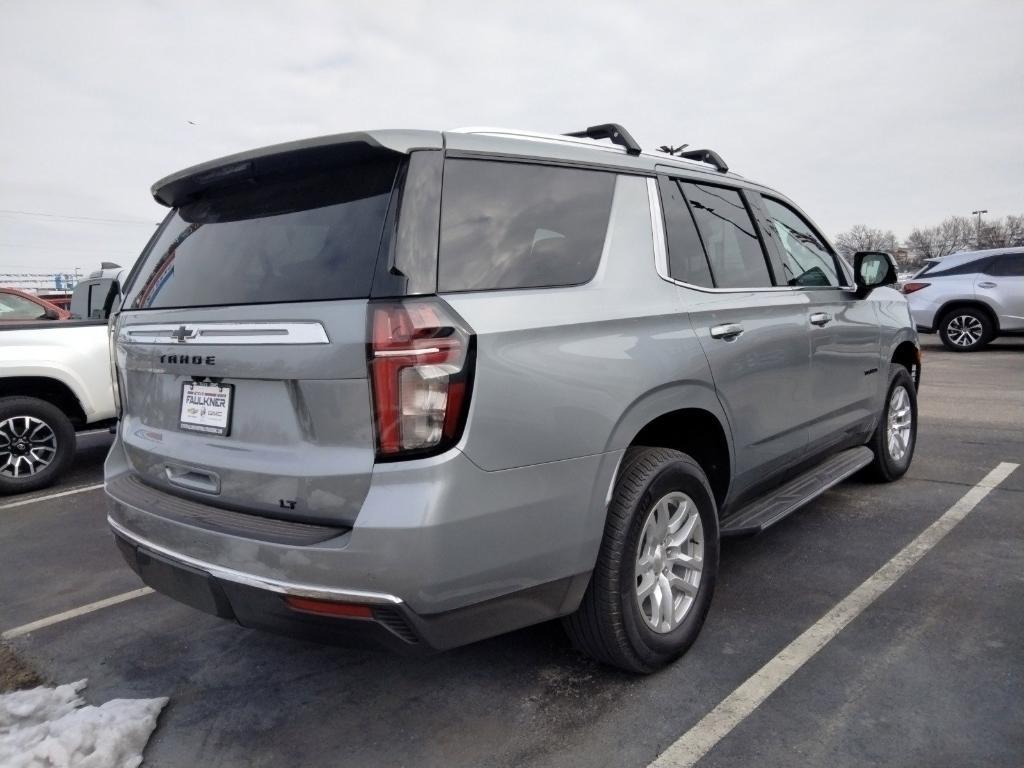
891 114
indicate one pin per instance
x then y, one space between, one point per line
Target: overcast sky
893 114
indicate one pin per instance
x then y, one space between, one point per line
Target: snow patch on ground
54 728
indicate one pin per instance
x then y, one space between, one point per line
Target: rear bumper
444 552
261 604
924 317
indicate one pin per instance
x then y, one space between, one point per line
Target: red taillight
329 608
420 367
911 287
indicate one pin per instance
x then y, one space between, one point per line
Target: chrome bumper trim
259 582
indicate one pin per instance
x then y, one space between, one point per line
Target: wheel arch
952 304
699 429
907 352
51 390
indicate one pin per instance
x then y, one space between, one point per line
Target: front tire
896 434
966 330
656 570
37 442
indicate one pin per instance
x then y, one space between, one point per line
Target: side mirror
51 314
872 269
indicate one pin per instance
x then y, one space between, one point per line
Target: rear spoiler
340 149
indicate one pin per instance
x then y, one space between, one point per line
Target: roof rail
708 156
613 131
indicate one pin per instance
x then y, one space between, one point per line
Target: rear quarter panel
568 372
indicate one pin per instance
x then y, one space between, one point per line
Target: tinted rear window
687 261
730 237
307 238
937 269
511 225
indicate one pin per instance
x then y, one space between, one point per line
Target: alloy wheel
898 432
965 330
27 446
669 561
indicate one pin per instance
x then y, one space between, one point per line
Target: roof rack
613 131
708 156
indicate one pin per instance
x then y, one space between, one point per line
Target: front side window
730 238
806 260
514 225
18 308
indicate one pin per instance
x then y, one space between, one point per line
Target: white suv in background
970 298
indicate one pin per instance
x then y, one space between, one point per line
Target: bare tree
956 233
1014 230
863 238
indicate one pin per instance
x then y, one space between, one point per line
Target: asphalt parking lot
930 674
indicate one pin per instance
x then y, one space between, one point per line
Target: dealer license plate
206 407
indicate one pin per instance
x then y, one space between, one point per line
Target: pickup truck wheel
37 442
655 572
965 330
896 434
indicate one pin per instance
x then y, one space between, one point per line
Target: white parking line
731 711
47 497
57 618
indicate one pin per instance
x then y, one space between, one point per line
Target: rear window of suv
514 225
310 237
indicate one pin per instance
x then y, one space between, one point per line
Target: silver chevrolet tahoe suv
417 388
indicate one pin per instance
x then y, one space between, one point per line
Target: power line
76 218
61 248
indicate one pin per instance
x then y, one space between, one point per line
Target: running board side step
790 496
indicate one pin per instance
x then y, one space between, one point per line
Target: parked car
969 298
55 379
360 405
17 306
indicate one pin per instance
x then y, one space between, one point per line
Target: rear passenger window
512 225
1007 265
734 250
806 259
973 267
686 260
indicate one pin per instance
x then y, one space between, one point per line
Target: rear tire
656 569
896 434
966 330
37 443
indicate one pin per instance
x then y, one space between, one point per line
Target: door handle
821 318
729 331
987 284
192 479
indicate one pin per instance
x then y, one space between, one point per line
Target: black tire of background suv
608 625
883 468
62 428
988 332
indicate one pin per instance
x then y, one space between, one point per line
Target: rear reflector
328 608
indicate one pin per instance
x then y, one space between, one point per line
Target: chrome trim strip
259 582
661 253
658 229
303 332
404 352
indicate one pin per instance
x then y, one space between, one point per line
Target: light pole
977 236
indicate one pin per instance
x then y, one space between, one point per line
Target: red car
20 306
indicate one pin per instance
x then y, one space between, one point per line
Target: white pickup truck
55 379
